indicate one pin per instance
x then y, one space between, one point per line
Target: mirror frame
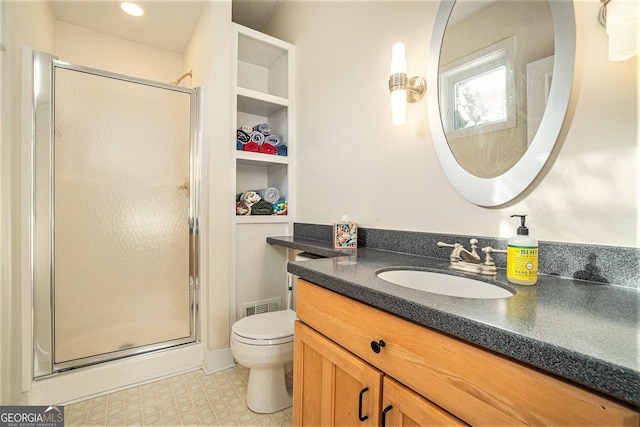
496 191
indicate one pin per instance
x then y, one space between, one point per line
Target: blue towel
274 140
257 137
270 194
282 150
263 128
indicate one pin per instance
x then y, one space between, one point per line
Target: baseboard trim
218 360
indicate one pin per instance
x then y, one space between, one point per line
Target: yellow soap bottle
522 256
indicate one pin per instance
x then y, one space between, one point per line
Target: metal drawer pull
384 414
376 346
363 391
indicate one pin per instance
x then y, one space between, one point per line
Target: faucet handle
488 260
474 245
448 245
454 253
489 267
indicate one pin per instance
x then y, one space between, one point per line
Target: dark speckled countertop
583 331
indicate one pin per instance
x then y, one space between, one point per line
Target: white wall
89 48
31 24
209 55
351 159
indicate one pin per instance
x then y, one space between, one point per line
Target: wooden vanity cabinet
428 378
332 387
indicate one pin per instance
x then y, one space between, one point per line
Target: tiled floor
191 399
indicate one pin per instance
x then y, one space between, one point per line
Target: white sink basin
444 284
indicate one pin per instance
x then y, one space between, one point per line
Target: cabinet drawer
477 385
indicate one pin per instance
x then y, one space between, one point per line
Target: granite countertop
582 331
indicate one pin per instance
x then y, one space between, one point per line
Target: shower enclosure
115 215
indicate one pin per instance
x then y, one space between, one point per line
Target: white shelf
262 63
259 103
263 92
258 159
262 219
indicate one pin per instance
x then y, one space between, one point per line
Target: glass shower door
123 252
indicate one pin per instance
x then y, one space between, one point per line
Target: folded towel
263 128
270 194
280 207
242 136
262 208
274 140
257 137
268 149
251 146
239 146
243 208
246 128
282 150
250 197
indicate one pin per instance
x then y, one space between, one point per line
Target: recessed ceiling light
131 8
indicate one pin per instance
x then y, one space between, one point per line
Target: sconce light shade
398 60
399 91
402 89
399 106
621 17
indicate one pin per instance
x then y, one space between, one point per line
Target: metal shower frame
42 219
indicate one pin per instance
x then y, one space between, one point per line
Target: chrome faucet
464 260
459 253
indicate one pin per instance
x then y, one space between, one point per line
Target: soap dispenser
522 256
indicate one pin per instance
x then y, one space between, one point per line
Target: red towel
268 148
251 146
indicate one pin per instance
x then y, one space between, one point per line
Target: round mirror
500 75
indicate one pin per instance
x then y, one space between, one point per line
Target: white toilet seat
265 329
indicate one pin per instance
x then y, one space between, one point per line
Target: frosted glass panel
121 210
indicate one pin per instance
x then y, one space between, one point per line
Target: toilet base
267 390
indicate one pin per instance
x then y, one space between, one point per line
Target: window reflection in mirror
481 99
492 87
477 92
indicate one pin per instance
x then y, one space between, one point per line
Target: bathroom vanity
367 351
355 364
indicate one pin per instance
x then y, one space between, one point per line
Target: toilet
264 344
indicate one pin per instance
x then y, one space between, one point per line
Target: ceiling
166 24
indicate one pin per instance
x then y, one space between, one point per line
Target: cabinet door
332 387
405 408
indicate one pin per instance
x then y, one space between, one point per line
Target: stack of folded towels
260 140
261 202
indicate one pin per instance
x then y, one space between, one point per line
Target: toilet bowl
264 344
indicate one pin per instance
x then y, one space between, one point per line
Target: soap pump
522 256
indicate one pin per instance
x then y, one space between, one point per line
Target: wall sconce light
403 89
620 18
